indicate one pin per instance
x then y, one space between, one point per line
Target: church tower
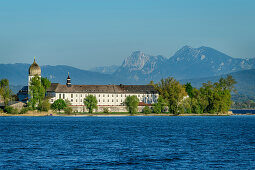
68 81
34 70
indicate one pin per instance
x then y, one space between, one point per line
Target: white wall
111 99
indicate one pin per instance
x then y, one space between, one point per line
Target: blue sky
89 33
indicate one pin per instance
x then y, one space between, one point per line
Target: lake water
201 142
243 111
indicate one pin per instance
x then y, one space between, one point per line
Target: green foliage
68 110
36 91
5 91
1 110
173 92
45 83
58 105
151 83
189 90
68 103
106 110
24 110
210 98
11 110
147 110
91 103
160 105
44 105
131 103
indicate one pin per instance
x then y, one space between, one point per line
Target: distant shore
109 114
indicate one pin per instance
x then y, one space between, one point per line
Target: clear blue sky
89 33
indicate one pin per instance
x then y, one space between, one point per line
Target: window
112 95
121 95
138 95
60 96
71 95
103 95
103 100
81 95
108 95
116 95
71 100
117 100
99 100
81 100
63 96
99 95
51 100
108 100
112 100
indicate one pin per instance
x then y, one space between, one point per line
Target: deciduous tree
91 103
59 105
131 103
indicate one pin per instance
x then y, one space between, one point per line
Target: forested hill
245 81
17 74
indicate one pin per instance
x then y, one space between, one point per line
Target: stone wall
101 108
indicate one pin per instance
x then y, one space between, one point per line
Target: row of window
104 95
104 100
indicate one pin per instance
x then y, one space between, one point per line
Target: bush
147 110
68 110
106 110
9 109
58 105
157 108
24 110
44 106
1 110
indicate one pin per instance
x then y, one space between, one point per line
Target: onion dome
34 69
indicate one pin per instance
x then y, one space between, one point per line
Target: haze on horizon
91 33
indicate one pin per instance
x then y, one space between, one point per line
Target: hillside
245 81
17 74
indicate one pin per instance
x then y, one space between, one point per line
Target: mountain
245 81
194 64
17 74
138 67
186 63
191 62
105 69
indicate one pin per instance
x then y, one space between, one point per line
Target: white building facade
106 95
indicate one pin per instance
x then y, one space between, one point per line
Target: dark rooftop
59 88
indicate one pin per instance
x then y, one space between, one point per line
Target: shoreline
36 114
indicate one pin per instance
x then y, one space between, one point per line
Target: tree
189 89
45 83
44 105
147 110
36 91
151 83
90 102
131 103
173 92
160 105
58 105
5 91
